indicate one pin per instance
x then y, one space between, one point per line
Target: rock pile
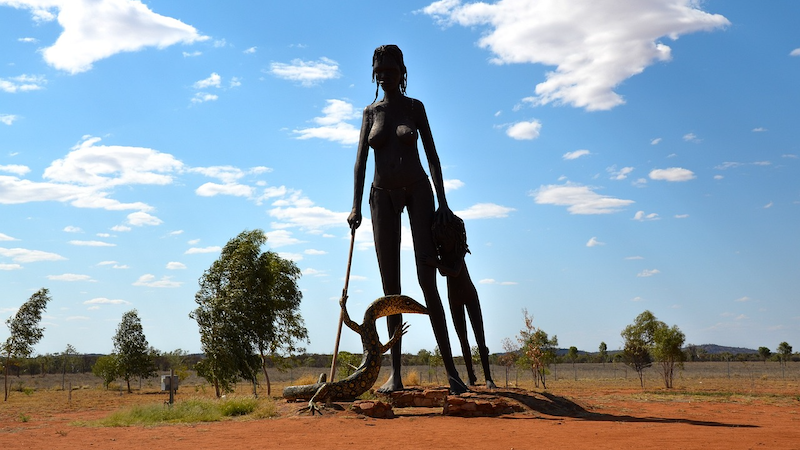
373 408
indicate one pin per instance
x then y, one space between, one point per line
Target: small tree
572 355
130 345
537 348
638 338
603 353
784 354
66 360
764 353
25 330
667 343
107 369
509 358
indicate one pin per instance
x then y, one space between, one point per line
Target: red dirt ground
607 419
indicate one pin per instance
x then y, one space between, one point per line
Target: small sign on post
170 383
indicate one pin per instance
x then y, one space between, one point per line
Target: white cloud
309 272
691 137
71 229
121 228
580 199
5 237
593 242
70 277
333 126
192 54
795 52
307 73
299 211
175 233
759 130
312 251
22 255
149 280
768 205
452 185
199 250
648 273
15 169
202 97
214 189
22 83
28 40
92 244
10 267
681 216
194 242
281 238
214 80
250 50
595 45
73 318
743 299
633 258
641 216
8 119
493 281
291 256
235 82
524 131
620 174
672 174
174 265
655 141
576 154
98 29
141 218
484 211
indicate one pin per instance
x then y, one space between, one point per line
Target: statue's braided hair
452 233
394 52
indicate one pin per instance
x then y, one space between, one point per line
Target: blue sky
608 157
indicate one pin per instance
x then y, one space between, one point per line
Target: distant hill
714 349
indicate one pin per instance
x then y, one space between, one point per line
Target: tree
130 345
509 358
248 304
66 359
603 353
667 350
784 353
572 355
764 353
539 351
25 330
106 368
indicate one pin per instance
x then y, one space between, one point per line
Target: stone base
470 404
373 408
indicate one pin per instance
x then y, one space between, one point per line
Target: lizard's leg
322 393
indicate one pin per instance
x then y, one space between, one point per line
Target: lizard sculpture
367 373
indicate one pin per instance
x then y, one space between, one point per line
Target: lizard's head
396 304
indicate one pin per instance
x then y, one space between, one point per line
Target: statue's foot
391 385
472 380
457 386
490 384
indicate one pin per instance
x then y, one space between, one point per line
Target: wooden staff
341 311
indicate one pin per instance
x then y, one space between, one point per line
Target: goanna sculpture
367 373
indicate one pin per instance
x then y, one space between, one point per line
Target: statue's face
387 73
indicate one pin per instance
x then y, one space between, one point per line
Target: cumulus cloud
312 251
16 169
71 229
485 211
579 199
174 265
70 277
594 45
98 29
691 137
149 280
281 238
795 52
593 242
92 244
620 174
648 273
576 154
22 83
201 250
333 125
234 189
5 237
299 211
105 301
452 185
214 80
524 131
8 119
141 218
10 267
655 141
307 73
641 216
202 97
672 174
22 255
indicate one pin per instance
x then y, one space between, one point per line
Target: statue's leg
476 318
420 213
386 231
460 324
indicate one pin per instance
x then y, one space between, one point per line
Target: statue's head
390 55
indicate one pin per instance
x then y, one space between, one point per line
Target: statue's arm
398 333
435 167
444 269
354 220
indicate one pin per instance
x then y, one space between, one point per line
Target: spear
341 311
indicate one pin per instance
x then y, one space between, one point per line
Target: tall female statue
391 127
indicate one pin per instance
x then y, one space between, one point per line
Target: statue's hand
342 301
429 260
444 215
354 220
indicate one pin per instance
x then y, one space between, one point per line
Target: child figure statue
451 243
